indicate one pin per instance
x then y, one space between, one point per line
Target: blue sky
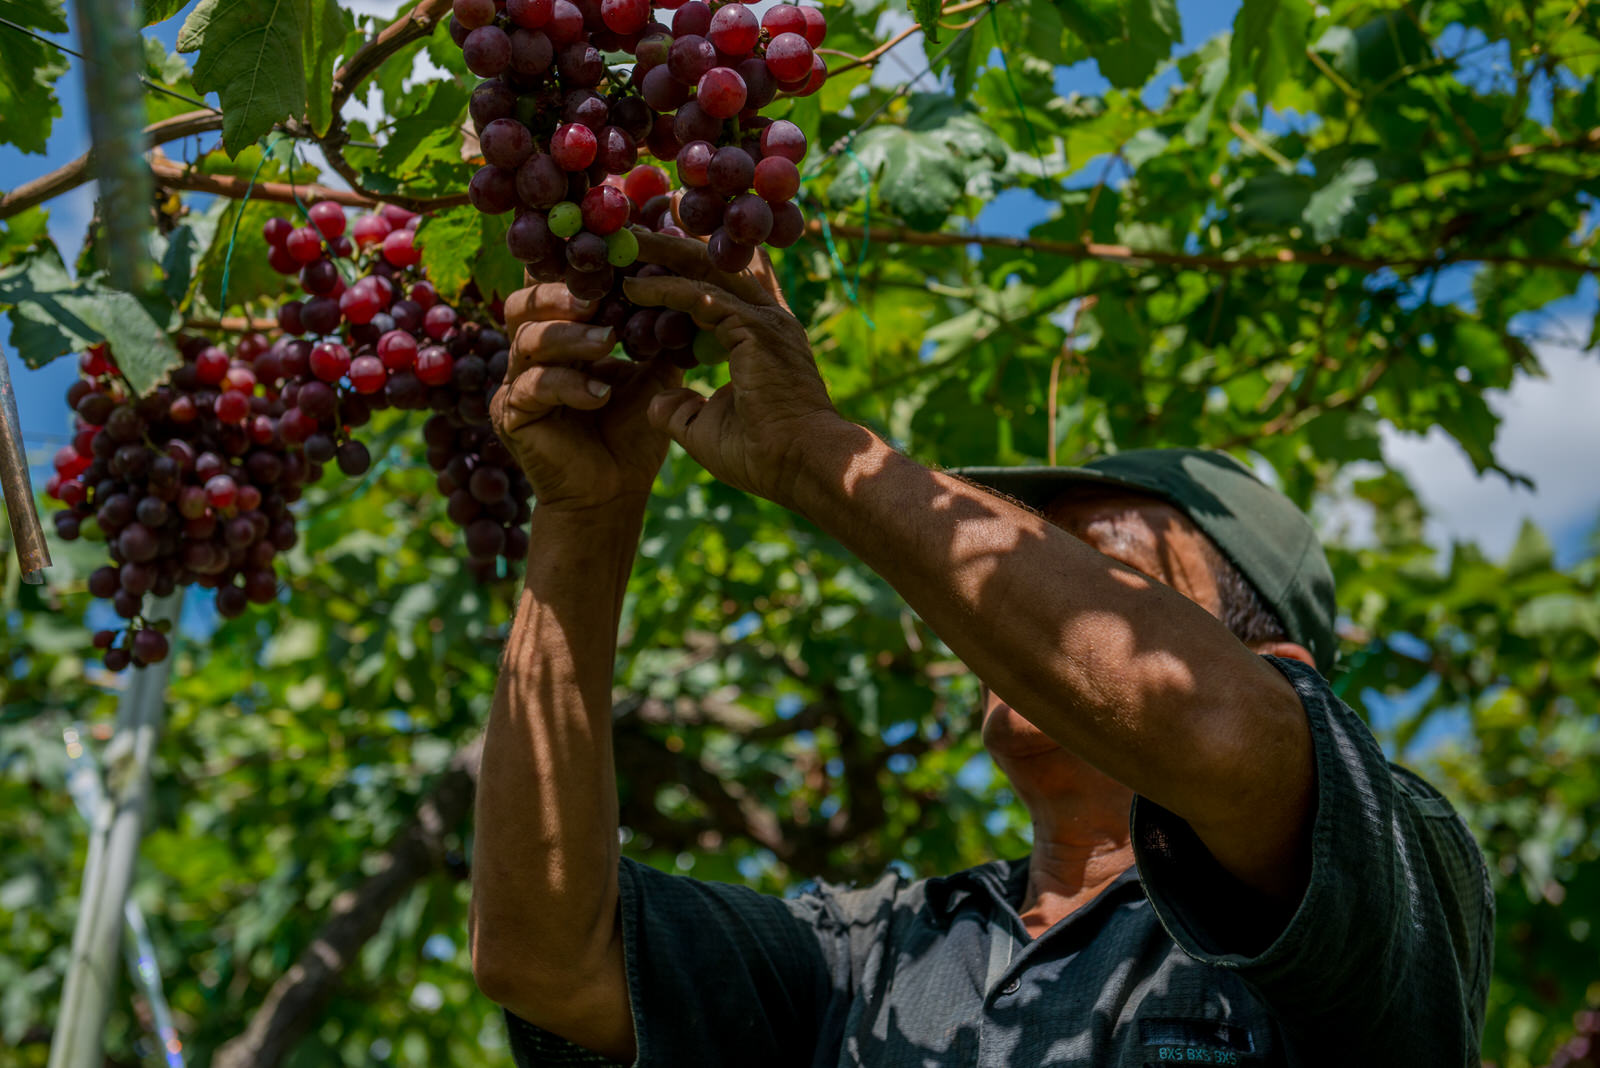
1548 428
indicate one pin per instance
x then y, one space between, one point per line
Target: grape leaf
927 14
53 314
327 29
154 11
462 245
254 58
1127 38
1269 41
28 72
919 171
1340 205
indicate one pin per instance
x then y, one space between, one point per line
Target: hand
573 416
752 432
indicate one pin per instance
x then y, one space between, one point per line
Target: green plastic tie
1005 65
233 238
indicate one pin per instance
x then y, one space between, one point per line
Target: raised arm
1129 674
545 942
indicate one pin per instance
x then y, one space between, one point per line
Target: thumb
671 412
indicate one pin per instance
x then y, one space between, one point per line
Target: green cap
1257 528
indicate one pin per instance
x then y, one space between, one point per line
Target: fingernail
597 334
598 388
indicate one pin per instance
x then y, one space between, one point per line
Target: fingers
687 256
545 303
557 341
540 389
672 410
707 303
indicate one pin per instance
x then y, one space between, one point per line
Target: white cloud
1550 431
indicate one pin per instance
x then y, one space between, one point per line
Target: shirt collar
1001 882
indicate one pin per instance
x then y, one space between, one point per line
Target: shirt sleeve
717 975
1388 951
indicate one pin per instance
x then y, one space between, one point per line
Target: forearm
545 849
1132 676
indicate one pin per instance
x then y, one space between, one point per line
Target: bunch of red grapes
561 133
386 340
192 482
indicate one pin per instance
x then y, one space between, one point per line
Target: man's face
1146 534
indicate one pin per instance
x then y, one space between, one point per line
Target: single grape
589 285
734 29
532 52
103 582
690 57
493 190
438 322
434 365
622 248
329 361
540 182
533 14
489 484
625 16
789 57
731 170
400 250
701 211
118 659
662 91
565 219
638 334
581 64
776 179
819 75
784 138
360 303
491 100
694 123
816 26
487 51
303 244
675 329
231 407
276 230
485 538
587 252
726 254
279 260
721 91
367 374
761 88
587 107
693 17
328 219
788 223
529 238
353 458
605 210
573 146
748 219
663 141
566 23
783 18
505 143
652 49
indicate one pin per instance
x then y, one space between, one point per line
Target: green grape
622 248
565 219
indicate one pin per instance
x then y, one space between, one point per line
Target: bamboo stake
113 850
33 555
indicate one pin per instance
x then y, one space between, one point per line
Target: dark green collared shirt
1384 962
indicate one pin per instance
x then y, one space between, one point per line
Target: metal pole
32 553
113 849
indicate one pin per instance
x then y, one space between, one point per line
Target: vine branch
71 175
1089 250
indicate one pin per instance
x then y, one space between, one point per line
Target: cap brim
1037 487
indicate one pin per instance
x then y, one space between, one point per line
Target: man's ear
1286 650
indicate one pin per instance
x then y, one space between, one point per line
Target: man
1281 895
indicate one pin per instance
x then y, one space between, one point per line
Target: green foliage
258 58
28 72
